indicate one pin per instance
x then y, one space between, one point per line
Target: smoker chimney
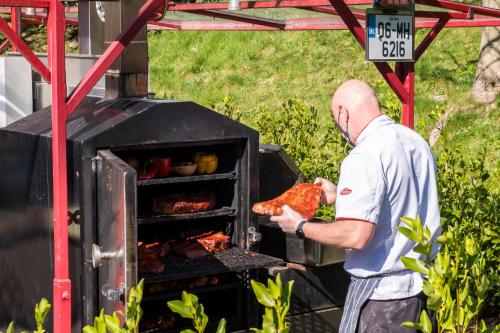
128 75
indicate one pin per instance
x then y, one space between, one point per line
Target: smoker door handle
98 255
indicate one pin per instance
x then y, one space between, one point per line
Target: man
390 173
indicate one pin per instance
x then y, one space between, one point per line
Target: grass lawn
263 69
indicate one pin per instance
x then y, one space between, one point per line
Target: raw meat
304 198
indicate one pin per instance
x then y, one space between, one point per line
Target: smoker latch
254 236
113 294
98 255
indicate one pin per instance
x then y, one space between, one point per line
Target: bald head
354 105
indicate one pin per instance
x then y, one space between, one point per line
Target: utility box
16 89
22 91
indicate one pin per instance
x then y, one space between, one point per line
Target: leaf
465 294
86 329
469 246
278 282
425 323
416 265
262 293
42 309
410 234
286 299
442 240
273 289
187 331
187 299
423 248
434 301
485 329
179 307
10 328
112 323
427 233
447 317
99 323
411 325
203 316
221 328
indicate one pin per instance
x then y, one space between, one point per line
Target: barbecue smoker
113 217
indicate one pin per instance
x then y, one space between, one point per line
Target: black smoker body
109 210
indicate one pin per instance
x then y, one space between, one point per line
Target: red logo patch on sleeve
345 191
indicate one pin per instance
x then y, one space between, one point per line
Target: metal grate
224 211
187 179
232 260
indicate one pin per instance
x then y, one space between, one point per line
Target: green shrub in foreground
456 288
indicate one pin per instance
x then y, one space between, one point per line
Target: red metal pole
242 18
5 45
408 116
15 23
173 6
61 282
430 37
461 7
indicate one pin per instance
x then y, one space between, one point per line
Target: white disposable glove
289 220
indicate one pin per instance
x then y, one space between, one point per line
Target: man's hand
289 220
329 195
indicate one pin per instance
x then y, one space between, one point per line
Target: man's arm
347 234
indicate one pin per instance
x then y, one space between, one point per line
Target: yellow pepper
207 163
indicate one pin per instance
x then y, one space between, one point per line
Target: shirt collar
372 126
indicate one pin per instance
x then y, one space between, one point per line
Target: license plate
389 37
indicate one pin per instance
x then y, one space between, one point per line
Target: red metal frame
61 282
401 80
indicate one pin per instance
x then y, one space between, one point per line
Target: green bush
189 307
470 214
454 283
317 148
276 299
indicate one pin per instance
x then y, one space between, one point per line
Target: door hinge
95 162
254 236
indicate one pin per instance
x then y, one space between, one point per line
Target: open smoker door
116 255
